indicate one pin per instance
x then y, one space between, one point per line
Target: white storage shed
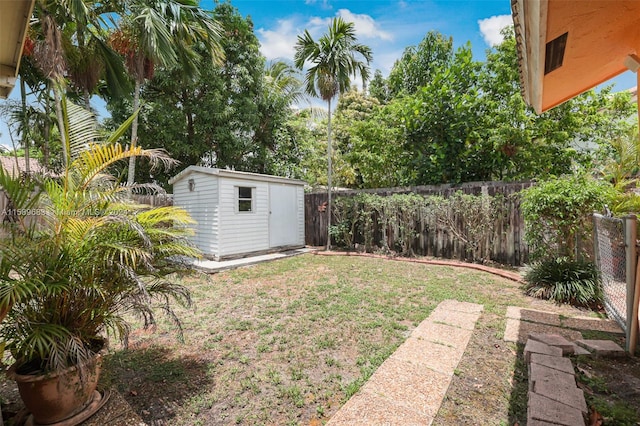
239 213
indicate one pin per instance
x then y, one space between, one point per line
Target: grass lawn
288 342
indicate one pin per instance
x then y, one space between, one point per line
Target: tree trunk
86 96
47 127
329 176
134 135
65 148
25 126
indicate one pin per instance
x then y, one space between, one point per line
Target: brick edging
513 276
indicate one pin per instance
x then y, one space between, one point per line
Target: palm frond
80 127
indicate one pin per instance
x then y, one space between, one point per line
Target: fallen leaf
595 418
133 393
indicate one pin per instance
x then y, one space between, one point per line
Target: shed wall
202 204
300 207
243 232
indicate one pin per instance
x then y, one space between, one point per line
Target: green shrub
558 215
565 281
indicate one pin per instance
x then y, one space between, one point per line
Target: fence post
630 236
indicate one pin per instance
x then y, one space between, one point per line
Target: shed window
245 199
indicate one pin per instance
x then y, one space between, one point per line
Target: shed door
283 215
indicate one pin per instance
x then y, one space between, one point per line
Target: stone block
443 334
512 331
579 350
534 346
556 385
531 315
555 362
554 340
426 354
540 408
602 348
465 320
364 409
596 324
525 328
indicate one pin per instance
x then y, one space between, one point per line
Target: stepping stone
556 385
554 340
512 331
596 324
579 350
602 348
443 334
519 331
454 305
541 408
531 315
557 363
465 320
534 346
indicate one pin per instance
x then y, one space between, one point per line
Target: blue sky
387 26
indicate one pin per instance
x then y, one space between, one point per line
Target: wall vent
554 54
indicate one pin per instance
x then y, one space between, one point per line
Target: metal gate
615 253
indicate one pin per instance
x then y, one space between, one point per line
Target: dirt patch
489 386
611 388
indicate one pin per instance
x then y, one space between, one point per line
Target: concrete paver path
408 388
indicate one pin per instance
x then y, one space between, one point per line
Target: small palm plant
76 257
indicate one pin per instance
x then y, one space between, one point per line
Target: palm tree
283 79
163 32
68 40
334 59
86 257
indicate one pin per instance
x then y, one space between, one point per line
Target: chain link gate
616 259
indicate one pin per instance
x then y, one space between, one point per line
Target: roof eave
234 174
530 25
10 66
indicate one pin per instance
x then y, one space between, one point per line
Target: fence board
506 246
155 200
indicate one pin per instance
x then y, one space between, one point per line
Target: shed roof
567 47
233 174
14 22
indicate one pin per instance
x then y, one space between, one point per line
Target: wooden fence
155 200
506 245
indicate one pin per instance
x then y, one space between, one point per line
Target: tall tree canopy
230 115
462 120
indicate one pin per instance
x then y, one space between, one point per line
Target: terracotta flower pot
55 397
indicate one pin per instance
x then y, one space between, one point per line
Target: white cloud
317 26
280 42
365 25
491 27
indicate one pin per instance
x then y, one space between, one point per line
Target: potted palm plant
75 260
